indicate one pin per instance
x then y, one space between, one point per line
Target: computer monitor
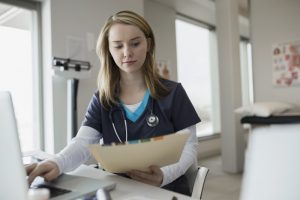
11 167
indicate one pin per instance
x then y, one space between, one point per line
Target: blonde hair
109 74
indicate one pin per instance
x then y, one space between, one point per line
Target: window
19 71
246 72
197 71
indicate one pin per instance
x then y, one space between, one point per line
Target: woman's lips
129 62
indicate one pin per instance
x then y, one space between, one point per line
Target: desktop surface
126 189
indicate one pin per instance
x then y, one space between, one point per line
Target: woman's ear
149 41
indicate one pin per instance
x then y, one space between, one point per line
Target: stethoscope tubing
126 131
152 121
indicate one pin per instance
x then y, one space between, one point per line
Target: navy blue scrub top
175 112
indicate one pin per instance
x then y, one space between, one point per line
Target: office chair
196 176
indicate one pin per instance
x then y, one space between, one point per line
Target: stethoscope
152 120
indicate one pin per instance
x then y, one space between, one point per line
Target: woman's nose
127 52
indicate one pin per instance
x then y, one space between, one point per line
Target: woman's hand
47 169
153 177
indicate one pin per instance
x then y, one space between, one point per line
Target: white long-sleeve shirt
77 153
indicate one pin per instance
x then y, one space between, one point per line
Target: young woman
132 102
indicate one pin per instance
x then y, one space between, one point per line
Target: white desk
126 189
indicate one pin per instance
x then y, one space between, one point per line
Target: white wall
203 10
272 21
162 20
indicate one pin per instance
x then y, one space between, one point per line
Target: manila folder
160 151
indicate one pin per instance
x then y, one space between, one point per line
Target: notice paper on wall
140 154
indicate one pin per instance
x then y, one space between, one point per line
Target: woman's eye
136 44
118 47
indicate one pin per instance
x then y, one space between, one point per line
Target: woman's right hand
46 169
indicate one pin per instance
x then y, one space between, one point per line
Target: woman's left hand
153 177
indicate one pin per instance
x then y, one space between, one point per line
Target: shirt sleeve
183 112
77 152
188 157
93 114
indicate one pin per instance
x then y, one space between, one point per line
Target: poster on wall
286 64
163 68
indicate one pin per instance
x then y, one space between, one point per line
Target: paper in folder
140 154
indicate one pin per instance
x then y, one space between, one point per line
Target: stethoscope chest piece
152 120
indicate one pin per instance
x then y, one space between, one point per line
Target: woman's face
128 47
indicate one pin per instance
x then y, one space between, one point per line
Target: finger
51 175
156 170
39 170
142 174
157 173
33 175
154 174
138 178
29 168
149 178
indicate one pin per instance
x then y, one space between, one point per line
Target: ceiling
4 8
11 16
243 4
